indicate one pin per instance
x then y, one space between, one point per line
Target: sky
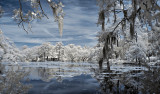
80 26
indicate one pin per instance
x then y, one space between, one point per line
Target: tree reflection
109 81
136 81
120 79
151 81
10 82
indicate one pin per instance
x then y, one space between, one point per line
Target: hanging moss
114 11
101 19
107 40
113 40
131 30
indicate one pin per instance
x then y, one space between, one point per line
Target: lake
80 77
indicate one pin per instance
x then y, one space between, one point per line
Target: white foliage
8 52
10 83
136 52
69 52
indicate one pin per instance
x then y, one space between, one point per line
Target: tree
45 49
32 54
135 52
24 19
59 50
8 51
154 41
10 82
146 11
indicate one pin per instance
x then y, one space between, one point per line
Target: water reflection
83 84
88 78
135 80
10 82
59 77
58 70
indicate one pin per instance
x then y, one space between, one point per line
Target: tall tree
120 13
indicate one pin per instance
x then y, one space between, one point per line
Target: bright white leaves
69 52
146 10
136 52
8 52
16 14
49 0
28 17
38 12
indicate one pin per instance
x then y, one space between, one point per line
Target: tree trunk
136 59
47 58
44 56
117 41
100 63
108 65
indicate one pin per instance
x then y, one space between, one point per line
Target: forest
124 59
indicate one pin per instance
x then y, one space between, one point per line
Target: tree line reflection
141 80
120 79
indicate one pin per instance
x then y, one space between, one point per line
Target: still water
82 78
59 77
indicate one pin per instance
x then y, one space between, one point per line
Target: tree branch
119 24
21 17
42 9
